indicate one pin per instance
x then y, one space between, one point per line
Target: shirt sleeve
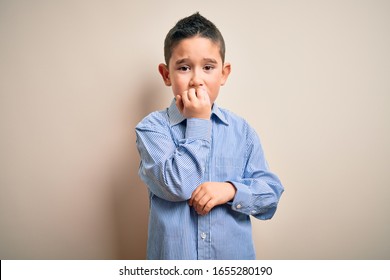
172 171
259 191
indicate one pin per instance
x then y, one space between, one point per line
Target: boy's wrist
233 190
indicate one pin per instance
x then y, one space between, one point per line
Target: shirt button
238 206
203 235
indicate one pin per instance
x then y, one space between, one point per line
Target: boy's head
194 25
195 57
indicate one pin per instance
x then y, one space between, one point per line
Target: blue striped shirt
179 154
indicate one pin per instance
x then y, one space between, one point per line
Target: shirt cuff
198 129
241 201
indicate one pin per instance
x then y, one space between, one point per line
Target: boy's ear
227 68
164 72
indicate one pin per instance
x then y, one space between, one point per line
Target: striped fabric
179 154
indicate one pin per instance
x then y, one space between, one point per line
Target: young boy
203 165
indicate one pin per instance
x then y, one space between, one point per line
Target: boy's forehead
196 48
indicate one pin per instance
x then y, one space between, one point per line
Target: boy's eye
184 68
208 67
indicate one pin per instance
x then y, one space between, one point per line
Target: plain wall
312 77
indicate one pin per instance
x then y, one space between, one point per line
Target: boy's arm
259 190
257 193
173 172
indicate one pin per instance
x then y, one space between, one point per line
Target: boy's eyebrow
180 61
211 60
186 60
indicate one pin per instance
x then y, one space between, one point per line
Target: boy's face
195 63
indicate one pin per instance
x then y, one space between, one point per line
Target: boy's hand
194 103
210 194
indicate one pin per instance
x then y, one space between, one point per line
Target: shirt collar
175 117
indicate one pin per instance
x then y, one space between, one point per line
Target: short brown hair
194 25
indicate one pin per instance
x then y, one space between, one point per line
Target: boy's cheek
177 90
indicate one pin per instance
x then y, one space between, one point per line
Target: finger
198 196
198 193
191 94
201 202
206 97
199 205
207 208
200 92
195 201
179 103
184 98
193 195
203 95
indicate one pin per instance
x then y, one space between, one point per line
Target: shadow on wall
130 201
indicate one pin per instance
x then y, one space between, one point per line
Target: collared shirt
177 155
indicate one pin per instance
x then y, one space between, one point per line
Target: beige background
312 77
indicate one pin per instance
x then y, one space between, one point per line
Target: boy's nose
196 81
